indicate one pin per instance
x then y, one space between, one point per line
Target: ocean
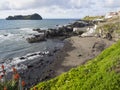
14 48
13 34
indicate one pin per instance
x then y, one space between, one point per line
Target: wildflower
2 67
3 72
14 70
35 88
16 76
23 83
5 88
1 76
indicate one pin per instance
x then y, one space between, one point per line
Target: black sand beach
76 51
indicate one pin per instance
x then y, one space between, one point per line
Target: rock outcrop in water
26 17
36 38
62 32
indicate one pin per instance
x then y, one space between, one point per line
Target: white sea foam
16 34
27 31
6 35
17 61
1 36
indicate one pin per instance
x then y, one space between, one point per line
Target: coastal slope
100 73
78 51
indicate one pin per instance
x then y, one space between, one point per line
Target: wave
27 31
17 62
9 28
6 35
16 34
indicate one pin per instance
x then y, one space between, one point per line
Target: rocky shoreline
73 54
33 70
76 51
73 29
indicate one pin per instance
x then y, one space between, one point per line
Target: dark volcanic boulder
79 24
108 36
36 38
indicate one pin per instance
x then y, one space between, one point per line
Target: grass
93 17
113 28
110 27
97 74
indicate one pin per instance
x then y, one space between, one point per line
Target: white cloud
58 8
30 4
111 3
4 5
80 3
18 4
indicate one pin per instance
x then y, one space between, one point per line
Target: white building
110 15
119 13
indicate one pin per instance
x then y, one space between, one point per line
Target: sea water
13 44
13 34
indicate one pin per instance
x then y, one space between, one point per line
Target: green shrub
110 27
93 17
97 74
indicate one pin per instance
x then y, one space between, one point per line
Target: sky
58 8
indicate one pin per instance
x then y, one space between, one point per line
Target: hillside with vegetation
93 17
111 27
101 73
108 28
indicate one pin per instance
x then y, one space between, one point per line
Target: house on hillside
110 15
119 13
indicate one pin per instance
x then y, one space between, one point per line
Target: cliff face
27 17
